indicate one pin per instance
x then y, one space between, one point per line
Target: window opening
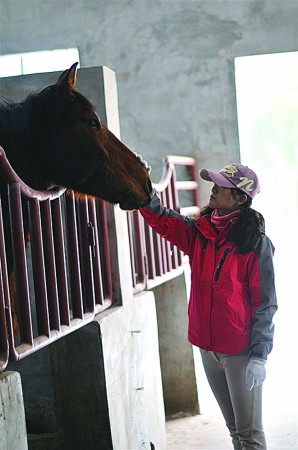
37 62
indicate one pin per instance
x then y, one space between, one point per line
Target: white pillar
12 415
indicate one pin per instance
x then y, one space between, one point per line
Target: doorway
267 107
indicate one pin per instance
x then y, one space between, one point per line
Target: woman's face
222 199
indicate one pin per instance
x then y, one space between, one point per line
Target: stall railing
61 275
154 260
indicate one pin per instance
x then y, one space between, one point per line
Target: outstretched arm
174 227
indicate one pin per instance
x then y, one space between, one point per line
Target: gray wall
176 353
174 62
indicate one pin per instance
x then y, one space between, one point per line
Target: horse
55 137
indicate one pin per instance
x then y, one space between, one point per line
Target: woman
232 300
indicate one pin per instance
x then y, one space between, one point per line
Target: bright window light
267 104
37 62
10 65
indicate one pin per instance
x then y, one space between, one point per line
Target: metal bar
11 177
194 176
39 276
168 244
85 257
50 266
104 244
181 160
157 253
5 319
4 346
39 342
186 185
150 251
194 183
106 304
97 271
140 254
177 254
163 241
73 259
132 248
22 300
60 253
173 249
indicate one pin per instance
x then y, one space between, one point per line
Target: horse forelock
82 101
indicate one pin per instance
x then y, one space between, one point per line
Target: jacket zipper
221 263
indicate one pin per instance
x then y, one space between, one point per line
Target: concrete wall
176 353
174 62
101 390
109 396
133 377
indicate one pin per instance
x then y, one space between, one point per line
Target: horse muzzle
133 201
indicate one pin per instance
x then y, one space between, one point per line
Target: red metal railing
153 258
60 283
65 275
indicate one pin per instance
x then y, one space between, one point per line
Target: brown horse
55 137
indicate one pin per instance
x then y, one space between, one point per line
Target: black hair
248 228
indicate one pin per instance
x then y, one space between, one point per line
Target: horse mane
13 119
23 142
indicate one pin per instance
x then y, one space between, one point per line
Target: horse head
85 156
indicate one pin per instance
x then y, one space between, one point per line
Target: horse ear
67 79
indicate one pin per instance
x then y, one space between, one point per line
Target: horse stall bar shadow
55 138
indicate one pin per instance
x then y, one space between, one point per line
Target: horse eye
94 123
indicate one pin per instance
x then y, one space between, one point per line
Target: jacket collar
208 230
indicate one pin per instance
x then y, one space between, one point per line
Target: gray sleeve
264 302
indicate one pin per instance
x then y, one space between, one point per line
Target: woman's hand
144 162
255 373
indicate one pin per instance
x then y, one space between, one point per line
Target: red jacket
232 299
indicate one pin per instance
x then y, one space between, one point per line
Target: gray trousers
242 409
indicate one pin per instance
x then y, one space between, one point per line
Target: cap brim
217 178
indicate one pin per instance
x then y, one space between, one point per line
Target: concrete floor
208 432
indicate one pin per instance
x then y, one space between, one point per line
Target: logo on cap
243 183
230 170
